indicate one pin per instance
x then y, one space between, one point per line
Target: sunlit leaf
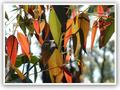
69 23
67 36
67 58
94 29
24 43
84 25
100 10
40 9
25 7
68 75
12 48
36 26
56 60
55 26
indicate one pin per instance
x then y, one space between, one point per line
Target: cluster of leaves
53 37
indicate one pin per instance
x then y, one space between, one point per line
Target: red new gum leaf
36 26
94 29
12 48
68 75
100 10
24 43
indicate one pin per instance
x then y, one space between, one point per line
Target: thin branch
53 67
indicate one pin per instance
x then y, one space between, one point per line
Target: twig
54 67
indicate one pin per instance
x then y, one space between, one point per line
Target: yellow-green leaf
55 26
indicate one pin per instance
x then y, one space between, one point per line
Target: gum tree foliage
62 39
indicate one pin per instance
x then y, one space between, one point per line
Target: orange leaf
69 23
67 57
94 29
68 75
73 13
42 25
12 48
36 26
100 10
40 9
24 43
67 36
39 38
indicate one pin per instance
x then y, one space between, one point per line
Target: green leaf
6 16
55 26
34 59
108 32
21 23
29 24
25 7
21 59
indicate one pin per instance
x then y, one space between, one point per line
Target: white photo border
57 3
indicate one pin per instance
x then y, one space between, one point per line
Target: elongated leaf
29 24
27 69
55 26
36 26
47 30
21 23
107 33
56 60
94 29
30 10
67 57
68 75
100 10
40 9
72 28
69 23
42 25
35 74
24 43
19 73
84 25
12 48
39 38
78 45
67 36
25 7
6 16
